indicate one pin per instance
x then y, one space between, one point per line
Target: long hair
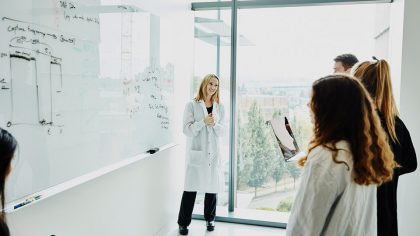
202 91
7 149
376 78
342 110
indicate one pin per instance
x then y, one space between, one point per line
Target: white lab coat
203 163
329 202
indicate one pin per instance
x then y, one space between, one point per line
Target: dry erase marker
27 201
21 204
153 150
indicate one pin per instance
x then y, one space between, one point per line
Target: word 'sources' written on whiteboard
32 79
150 91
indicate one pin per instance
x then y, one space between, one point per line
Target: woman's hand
209 120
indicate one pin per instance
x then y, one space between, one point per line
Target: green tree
257 151
242 160
278 169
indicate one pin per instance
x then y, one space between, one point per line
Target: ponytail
384 98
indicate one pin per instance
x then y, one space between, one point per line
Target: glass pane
212 55
287 49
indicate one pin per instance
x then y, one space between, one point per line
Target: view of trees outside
275 72
281 51
265 181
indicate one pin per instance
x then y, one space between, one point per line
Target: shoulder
321 164
323 156
192 103
323 152
399 124
400 128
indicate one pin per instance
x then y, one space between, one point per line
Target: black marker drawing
35 83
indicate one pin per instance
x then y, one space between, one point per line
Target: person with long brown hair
204 124
8 146
376 78
348 157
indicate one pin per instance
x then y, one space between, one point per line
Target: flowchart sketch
45 78
70 92
24 95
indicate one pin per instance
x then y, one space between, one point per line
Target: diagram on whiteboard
35 83
83 86
31 78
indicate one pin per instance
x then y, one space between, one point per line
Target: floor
198 228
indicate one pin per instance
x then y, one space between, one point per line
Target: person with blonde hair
348 157
376 78
204 124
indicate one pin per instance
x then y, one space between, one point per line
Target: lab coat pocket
196 158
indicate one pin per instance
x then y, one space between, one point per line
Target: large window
280 52
212 55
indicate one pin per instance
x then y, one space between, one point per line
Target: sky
294 43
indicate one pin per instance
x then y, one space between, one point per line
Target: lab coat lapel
203 106
215 111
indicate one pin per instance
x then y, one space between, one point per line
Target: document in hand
286 139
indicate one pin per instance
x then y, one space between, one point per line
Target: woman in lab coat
203 125
348 157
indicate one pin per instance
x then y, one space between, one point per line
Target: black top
405 156
209 109
4 230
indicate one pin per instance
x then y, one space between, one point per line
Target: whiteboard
82 88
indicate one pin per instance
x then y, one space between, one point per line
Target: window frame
234 5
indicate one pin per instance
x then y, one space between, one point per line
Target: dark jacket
405 156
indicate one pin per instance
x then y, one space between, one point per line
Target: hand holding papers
286 139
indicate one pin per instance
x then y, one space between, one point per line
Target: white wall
409 190
135 200
140 199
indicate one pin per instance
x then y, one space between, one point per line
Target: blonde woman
204 119
348 157
376 78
